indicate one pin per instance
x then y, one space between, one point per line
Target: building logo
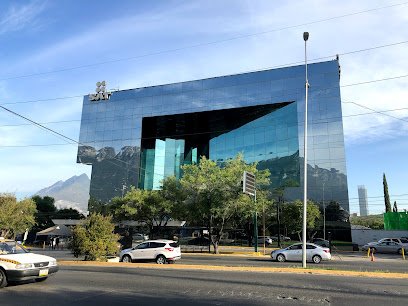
101 93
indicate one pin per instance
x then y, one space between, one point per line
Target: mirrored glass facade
139 136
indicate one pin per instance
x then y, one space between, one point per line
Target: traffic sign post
249 188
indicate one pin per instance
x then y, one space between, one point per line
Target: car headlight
53 263
24 266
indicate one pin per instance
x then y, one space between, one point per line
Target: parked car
402 241
140 237
161 251
385 247
314 253
268 240
320 241
18 264
282 238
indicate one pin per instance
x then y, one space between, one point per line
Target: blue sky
144 43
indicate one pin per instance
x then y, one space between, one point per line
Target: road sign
248 185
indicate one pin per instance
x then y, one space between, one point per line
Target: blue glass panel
274 139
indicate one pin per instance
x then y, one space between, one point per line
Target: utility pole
305 38
278 215
324 216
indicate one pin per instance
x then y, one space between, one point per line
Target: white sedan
314 253
18 264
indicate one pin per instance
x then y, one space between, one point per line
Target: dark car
322 242
282 238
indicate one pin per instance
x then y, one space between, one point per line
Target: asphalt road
75 285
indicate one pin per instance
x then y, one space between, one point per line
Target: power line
131 116
203 44
65 138
39 125
347 85
37 145
376 111
45 100
378 80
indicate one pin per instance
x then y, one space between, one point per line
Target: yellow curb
239 269
227 254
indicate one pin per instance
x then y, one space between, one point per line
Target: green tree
15 216
386 195
213 194
292 215
372 221
45 211
68 213
95 238
395 208
147 206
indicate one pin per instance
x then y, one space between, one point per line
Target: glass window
154 245
141 246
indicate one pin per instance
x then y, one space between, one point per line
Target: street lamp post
305 38
324 216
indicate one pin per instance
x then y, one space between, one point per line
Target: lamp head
305 36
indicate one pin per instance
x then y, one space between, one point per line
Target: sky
53 52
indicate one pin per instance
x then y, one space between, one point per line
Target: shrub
95 238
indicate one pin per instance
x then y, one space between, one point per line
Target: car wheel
161 260
316 259
126 258
3 278
280 258
400 251
40 279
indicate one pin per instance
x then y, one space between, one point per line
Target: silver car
385 247
268 240
314 253
402 241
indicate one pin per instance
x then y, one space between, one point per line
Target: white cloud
17 18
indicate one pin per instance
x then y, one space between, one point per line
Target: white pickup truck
18 264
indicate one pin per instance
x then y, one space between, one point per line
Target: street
77 285
355 261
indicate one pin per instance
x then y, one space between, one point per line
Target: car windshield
11 247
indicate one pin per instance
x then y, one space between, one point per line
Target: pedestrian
57 241
53 241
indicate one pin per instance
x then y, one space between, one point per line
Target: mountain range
72 193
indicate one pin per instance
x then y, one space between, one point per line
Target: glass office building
140 136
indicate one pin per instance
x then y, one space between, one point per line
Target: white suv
162 251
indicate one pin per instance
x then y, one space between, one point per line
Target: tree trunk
215 240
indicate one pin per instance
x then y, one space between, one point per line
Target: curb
309 271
